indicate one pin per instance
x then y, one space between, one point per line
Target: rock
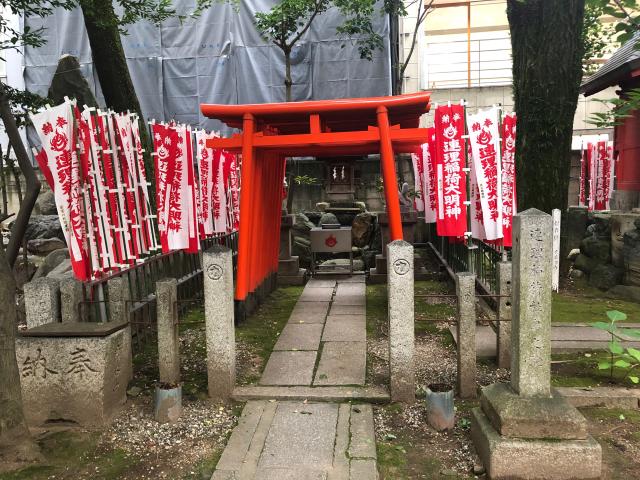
358 264
361 205
46 203
576 274
362 229
44 246
134 391
573 254
322 206
314 217
62 270
328 219
625 292
44 226
478 469
602 223
597 248
301 248
23 271
448 472
585 263
69 81
51 261
631 255
301 226
605 276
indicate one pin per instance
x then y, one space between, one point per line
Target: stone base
299 279
289 266
514 416
78 375
512 458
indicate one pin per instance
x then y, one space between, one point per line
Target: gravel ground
436 363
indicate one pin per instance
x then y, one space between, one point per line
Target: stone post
465 291
504 315
168 342
531 326
218 310
119 297
527 429
401 321
70 299
42 301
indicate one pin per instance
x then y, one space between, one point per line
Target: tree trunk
16 444
111 65
287 74
547 49
32 183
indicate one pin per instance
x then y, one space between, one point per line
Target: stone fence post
220 329
42 301
168 343
466 293
70 299
504 314
119 298
401 320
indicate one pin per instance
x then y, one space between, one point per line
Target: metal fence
141 307
477 257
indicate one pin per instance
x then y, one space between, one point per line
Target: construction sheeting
217 58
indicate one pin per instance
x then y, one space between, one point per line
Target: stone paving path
323 345
565 338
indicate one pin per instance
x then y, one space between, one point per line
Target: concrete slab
301 435
309 312
363 443
345 328
340 451
299 337
289 368
347 310
238 445
316 294
349 299
351 289
606 397
353 279
374 394
342 363
290 474
564 339
363 470
506 458
321 282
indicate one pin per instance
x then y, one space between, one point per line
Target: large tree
547 49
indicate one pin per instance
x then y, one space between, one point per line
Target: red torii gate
271 132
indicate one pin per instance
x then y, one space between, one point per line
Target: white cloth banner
484 136
204 156
55 129
418 175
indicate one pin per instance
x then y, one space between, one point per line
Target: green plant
306 180
625 358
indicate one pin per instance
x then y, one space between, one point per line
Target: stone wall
608 255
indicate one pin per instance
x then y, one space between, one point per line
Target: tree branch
422 14
306 27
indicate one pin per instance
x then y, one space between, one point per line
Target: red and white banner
451 220
484 137
55 128
418 175
509 198
193 197
610 175
204 157
584 161
234 193
475 210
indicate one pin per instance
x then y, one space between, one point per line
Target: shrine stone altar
74 372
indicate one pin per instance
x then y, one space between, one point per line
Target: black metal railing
477 257
142 278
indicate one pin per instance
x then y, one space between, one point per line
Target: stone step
372 394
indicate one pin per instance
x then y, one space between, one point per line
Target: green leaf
604 365
601 326
622 364
615 348
616 316
634 379
621 417
634 353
